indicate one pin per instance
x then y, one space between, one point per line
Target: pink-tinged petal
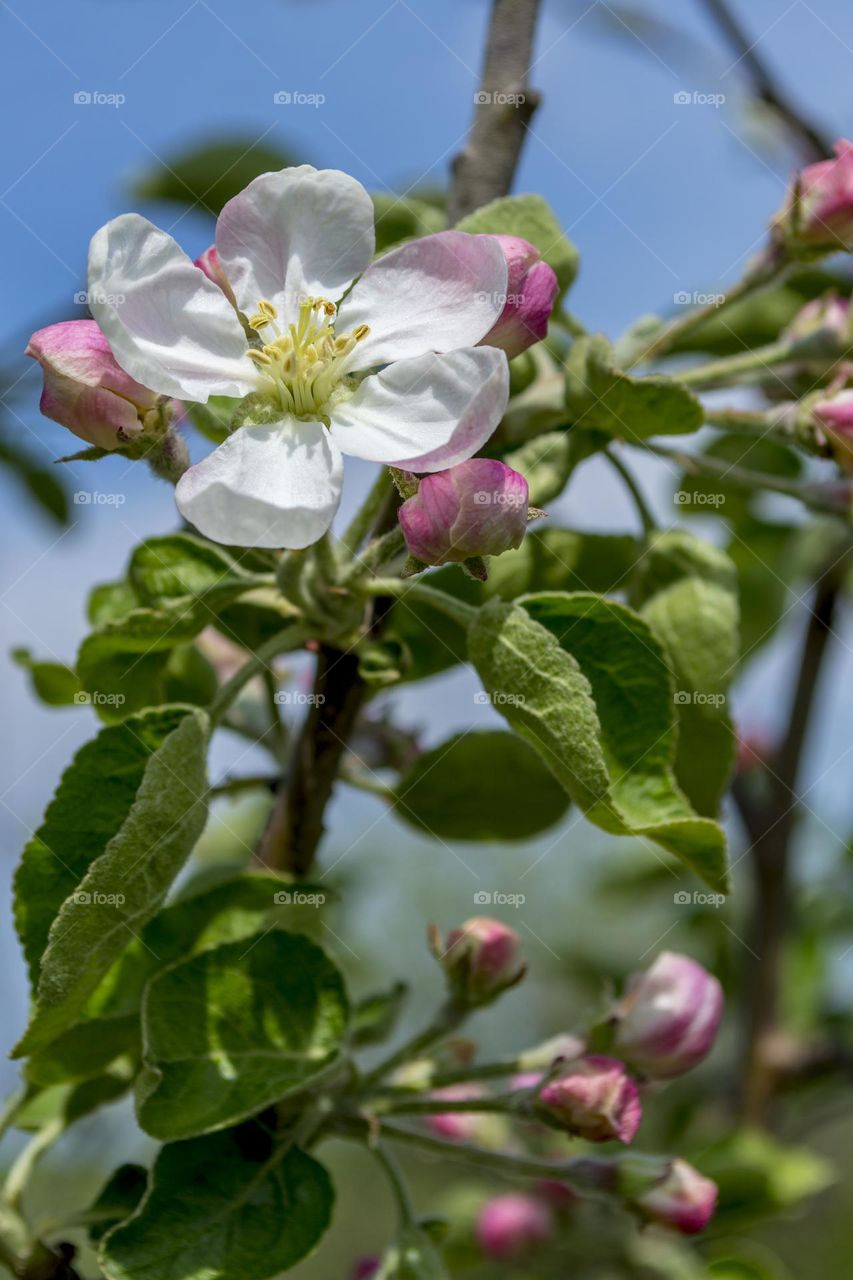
168 325
669 1019
683 1199
438 293
85 389
269 486
209 263
302 232
425 414
532 286
512 1225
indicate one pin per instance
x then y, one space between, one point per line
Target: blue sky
660 197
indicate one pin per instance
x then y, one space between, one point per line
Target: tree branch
810 139
505 104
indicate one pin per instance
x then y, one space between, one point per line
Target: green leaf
117 1200
533 219
412 1256
208 175
39 481
234 1029
184 567
213 420
124 886
122 665
374 1018
401 218
480 786
54 684
110 601
237 907
60 1105
224 1207
586 682
599 396
564 560
546 462
692 608
715 495
759 1175
85 1050
92 801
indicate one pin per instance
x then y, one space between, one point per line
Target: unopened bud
818 215
683 1199
478 508
512 1225
530 292
594 1098
481 959
669 1018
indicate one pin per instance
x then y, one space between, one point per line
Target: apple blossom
669 1018
513 1224
209 263
683 1199
89 393
478 508
290 246
594 1098
481 958
532 287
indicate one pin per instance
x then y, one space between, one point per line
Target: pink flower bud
530 292
478 508
481 958
511 1225
88 392
209 263
819 212
365 1268
669 1018
456 1126
683 1199
834 416
822 315
595 1098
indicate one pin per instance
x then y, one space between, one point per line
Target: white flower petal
168 325
425 414
270 486
302 231
436 294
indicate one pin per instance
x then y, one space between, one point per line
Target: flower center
305 363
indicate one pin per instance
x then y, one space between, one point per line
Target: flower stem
397 1183
648 521
378 553
458 610
290 637
759 360
449 1017
367 514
